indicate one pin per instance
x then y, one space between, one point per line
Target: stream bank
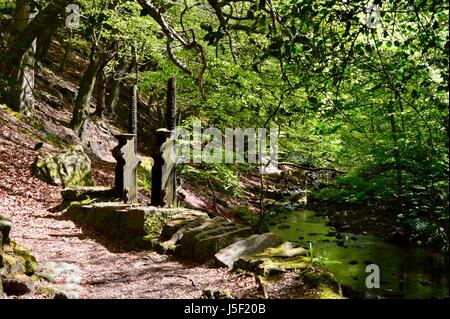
405 272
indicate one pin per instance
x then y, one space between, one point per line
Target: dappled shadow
113 245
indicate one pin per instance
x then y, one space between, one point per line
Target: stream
411 272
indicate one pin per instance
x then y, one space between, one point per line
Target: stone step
248 246
180 220
207 247
202 242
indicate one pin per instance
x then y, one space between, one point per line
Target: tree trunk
116 80
82 102
50 15
23 96
101 92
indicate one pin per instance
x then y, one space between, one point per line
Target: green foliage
370 101
247 216
7 6
221 177
144 174
319 259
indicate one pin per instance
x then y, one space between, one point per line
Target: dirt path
108 270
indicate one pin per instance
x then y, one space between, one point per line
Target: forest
224 149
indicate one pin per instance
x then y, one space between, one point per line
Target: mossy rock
156 219
11 264
249 263
204 226
207 247
285 250
70 168
180 220
324 282
15 259
275 260
165 248
204 241
30 261
173 243
286 264
247 246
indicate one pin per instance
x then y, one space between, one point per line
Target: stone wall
134 225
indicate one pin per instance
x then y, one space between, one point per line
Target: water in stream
405 272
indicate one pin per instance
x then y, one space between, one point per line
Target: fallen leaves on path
109 271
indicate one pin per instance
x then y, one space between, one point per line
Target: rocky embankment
192 235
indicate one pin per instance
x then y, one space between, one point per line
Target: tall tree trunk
101 92
116 80
51 14
23 96
82 102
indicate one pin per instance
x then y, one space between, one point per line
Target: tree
23 77
19 62
97 62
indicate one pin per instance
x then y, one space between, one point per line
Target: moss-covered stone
180 220
287 256
70 168
273 263
15 259
207 247
324 282
171 245
154 220
204 241
165 247
249 263
29 261
286 264
285 250
202 225
247 246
